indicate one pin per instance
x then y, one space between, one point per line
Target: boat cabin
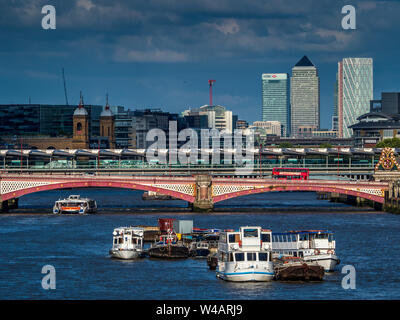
297 243
246 239
128 237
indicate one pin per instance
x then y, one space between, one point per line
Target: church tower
107 128
80 138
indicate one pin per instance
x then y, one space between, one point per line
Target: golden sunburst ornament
387 160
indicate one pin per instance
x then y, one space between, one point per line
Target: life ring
316 251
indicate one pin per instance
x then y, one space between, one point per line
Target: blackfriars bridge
201 188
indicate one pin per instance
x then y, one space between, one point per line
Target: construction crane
210 82
65 87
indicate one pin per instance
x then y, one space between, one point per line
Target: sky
161 53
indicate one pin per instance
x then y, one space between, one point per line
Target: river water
77 247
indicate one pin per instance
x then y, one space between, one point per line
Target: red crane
211 84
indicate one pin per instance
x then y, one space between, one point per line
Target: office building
355 91
388 104
219 117
275 99
304 96
242 124
44 119
268 128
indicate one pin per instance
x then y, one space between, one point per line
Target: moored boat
296 269
311 245
245 255
74 204
168 247
200 249
127 243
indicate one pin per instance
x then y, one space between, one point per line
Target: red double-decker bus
290 173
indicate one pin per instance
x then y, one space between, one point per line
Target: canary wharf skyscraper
355 90
304 96
275 99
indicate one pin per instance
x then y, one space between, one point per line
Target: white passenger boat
245 255
310 245
127 243
74 204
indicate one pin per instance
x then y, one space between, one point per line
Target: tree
389 143
285 145
325 145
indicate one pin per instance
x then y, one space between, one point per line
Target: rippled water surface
77 246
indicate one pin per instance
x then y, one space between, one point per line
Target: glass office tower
355 90
275 100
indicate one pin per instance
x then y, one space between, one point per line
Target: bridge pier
8 204
203 199
392 198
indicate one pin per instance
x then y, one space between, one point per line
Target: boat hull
249 273
169 252
201 253
327 261
246 276
125 254
299 272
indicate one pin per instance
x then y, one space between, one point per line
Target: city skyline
129 51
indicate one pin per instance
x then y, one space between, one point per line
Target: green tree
285 145
325 145
390 143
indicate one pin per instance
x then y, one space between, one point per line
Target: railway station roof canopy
141 153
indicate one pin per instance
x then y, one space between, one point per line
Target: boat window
301 254
251 256
231 238
250 233
115 241
262 256
330 238
265 237
239 256
231 256
295 254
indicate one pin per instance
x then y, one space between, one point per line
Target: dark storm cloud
180 31
161 52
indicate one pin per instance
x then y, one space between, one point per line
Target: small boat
168 247
74 204
127 243
245 255
296 269
200 249
311 245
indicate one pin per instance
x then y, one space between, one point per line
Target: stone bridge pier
203 194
